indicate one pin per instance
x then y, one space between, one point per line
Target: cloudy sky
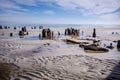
59 11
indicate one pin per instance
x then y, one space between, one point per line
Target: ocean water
70 25
63 25
78 25
67 25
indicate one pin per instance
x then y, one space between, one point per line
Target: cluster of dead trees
40 27
4 27
72 31
47 34
23 31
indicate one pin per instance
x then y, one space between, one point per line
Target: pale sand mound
6 47
67 67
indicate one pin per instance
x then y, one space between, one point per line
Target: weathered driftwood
47 34
75 41
23 32
34 27
14 28
110 47
94 32
118 45
94 49
81 45
11 34
24 29
1 27
72 31
40 27
5 27
96 42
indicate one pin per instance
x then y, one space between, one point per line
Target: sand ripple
6 47
69 67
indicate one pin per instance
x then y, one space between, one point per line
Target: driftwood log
118 45
94 49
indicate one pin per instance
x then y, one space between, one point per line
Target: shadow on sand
8 70
115 74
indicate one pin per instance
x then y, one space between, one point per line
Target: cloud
97 10
92 6
113 17
103 10
48 12
106 6
11 13
27 2
6 4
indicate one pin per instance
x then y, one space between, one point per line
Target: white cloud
103 10
8 4
94 6
106 6
112 18
48 12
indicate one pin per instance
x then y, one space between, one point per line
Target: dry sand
55 60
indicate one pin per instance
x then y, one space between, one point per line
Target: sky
59 11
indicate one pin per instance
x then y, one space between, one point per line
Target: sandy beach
32 59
